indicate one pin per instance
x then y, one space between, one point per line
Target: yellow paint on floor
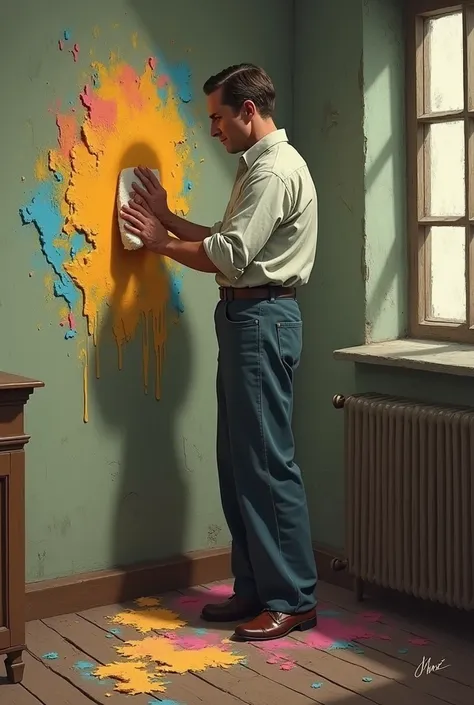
147 602
133 677
150 618
172 659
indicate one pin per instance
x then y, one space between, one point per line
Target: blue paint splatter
67 35
78 243
402 651
59 177
341 645
367 679
51 656
180 76
84 665
317 685
45 214
114 630
176 284
200 632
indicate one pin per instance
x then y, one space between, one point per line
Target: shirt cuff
221 254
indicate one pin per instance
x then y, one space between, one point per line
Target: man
261 252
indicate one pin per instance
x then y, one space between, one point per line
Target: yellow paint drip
147 620
171 659
133 677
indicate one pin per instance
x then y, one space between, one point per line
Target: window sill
431 356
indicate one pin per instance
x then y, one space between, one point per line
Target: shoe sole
302 627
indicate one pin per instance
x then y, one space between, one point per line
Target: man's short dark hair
244 82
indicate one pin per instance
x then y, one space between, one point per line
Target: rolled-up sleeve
258 210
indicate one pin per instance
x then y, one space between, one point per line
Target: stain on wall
118 118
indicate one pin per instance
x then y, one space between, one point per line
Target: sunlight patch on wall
120 118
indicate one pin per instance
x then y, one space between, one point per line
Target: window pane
445 169
445 57
448 274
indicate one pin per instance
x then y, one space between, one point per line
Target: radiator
409 470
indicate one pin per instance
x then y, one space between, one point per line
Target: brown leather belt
257 292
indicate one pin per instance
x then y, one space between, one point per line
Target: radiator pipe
338 401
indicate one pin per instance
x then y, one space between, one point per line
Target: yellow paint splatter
171 659
133 677
147 601
96 32
41 168
128 122
135 40
149 619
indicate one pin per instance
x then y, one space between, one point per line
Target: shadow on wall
151 502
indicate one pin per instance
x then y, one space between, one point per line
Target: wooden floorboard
379 671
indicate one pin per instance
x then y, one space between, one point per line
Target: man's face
231 128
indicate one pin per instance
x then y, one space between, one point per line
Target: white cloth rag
126 178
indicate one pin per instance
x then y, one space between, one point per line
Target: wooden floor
382 666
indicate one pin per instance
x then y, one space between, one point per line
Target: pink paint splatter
60 45
223 591
191 642
67 133
287 666
329 632
152 63
102 113
418 641
130 81
161 81
75 51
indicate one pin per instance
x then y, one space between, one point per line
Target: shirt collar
256 150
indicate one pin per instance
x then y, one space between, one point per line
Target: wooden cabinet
14 393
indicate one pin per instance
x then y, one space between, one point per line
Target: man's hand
139 221
151 193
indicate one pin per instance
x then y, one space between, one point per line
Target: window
440 141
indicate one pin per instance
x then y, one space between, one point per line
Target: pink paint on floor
418 641
330 631
191 642
223 591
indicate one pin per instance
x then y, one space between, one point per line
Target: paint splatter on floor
149 618
134 678
177 648
152 658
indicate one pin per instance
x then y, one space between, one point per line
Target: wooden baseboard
50 598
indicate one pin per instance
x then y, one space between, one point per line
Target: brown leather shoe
231 610
274 625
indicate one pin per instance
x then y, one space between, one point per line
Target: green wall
329 132
139 480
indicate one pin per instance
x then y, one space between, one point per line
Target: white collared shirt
269 230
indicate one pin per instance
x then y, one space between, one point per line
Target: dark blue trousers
262 491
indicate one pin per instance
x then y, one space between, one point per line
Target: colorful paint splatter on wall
121 118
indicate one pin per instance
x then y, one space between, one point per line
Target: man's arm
190 232
189 254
